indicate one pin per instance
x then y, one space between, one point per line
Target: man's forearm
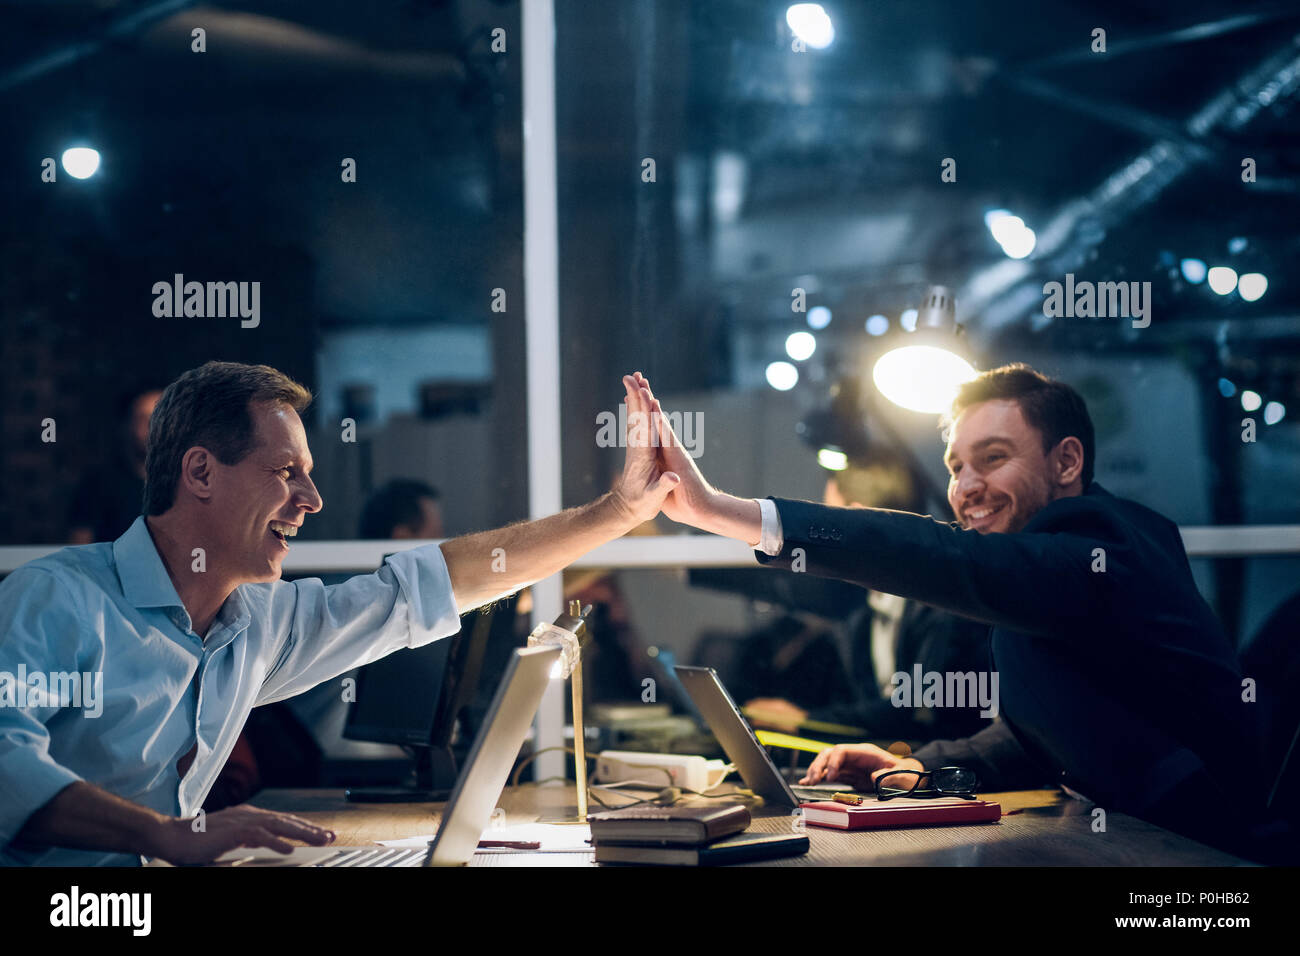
732 517
84 817
490 564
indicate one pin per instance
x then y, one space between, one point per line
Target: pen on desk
508 845
852 799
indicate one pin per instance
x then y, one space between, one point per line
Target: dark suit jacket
1138 636
936 640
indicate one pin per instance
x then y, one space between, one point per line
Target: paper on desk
553 837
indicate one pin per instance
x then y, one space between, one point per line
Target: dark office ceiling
1036 121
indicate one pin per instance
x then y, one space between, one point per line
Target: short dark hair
210 406
1054 408
393 504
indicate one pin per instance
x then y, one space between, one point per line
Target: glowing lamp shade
80 162
923 378
810 23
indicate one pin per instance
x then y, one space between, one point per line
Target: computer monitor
398 697
414 698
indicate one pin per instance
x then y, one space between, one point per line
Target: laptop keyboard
376 856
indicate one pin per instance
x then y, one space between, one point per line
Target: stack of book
686 836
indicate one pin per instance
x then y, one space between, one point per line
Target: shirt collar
145 582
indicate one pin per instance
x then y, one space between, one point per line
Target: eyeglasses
943 782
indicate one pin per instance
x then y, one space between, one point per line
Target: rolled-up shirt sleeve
323 631
40 635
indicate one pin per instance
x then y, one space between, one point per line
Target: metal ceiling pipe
1080 224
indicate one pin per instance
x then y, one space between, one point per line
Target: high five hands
690 496
690 499
648 478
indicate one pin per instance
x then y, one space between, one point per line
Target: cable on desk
667 797
514 777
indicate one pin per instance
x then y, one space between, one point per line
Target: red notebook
900 812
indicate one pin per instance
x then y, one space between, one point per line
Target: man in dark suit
888 635
1116 679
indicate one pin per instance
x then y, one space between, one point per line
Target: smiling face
999 475
259 503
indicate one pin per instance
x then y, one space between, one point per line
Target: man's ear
196 472
1067 461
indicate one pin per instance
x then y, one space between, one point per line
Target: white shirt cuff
772 539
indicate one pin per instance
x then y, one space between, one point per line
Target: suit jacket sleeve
1028 581
994 754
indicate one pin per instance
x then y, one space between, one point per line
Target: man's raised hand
689 502
646 483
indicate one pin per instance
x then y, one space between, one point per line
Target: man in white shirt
138 660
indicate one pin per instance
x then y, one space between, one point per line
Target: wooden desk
1049 830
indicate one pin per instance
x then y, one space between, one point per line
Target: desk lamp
569 632
924 375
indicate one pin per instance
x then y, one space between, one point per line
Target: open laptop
469 811
741 746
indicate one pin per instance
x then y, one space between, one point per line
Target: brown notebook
667 826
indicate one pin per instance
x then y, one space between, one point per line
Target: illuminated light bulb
800 345
1222 279
782 376
832 459
80 162
1020 243
1193 270
923 378
810 23
819 317
1252 285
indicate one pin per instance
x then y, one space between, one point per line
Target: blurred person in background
402 509
109 497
